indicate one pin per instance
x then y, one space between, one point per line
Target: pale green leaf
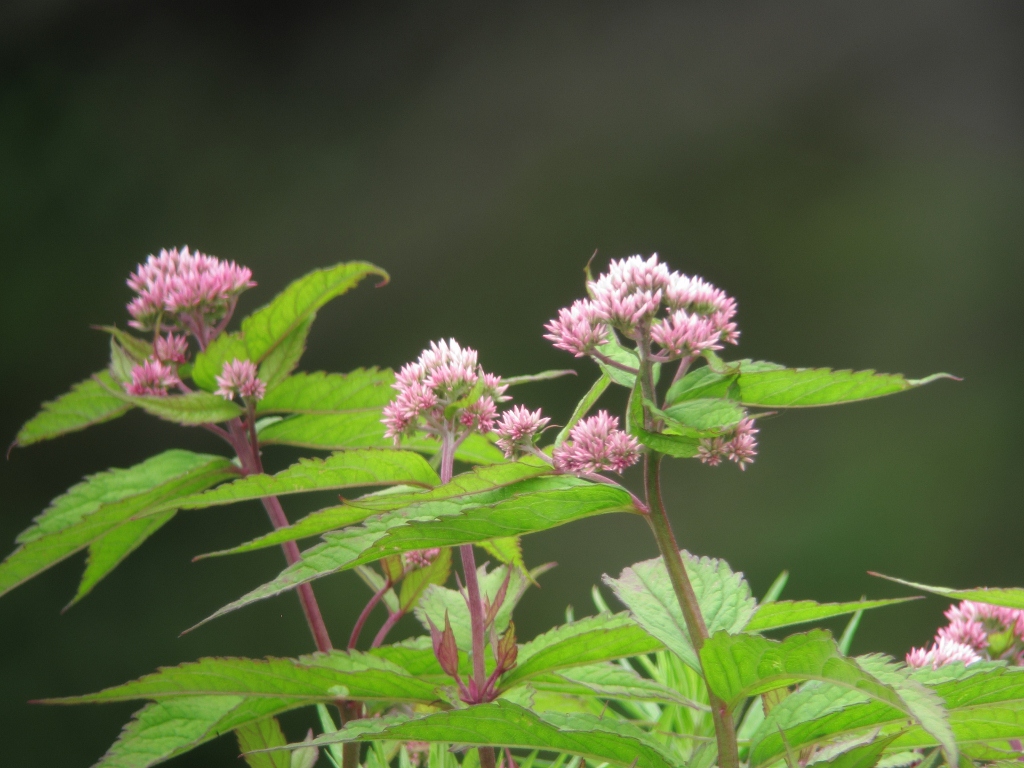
263 734
99 505
210 362
503 722
724 598
865 756
609 681
786 613
348 469
89 402
705 414
507 549
604 637
1008 597
270 325
284 358
324 393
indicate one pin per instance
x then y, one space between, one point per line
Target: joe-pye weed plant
436 459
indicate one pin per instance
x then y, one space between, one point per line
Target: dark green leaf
1008 597
502 722
89 402
348 469
724 598
270 325
263 734
93 509
789 612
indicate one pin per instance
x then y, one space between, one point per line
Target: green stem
657 518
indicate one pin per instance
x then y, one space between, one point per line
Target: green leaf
414 584
724 598
190 409
170 728
527 507
583 407
1008 597
767 386
348 469
89 402
138 349
786 613
109 551
316 677
866 756
270 325
263 734
513 381
210 362
738 666
95 508
705 414
284 358
590 640
325 393
333 518
502 722
610 681
363 429
121 363
507 549
672 445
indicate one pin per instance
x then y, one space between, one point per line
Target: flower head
191 287
517 428
740 446
630 291
943 651
443 375
681 334
596 444
420 558
578 329
152 377
171 348
239 378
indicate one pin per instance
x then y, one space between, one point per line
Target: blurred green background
852 173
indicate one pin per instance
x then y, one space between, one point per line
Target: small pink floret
171 348
152 378
239 378
420 558
682 333
596 444
577 329
943 651
517 428
739 447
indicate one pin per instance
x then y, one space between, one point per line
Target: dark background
852 173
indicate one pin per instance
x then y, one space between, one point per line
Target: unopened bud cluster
682 315
596 444
238 377
739 446
975 631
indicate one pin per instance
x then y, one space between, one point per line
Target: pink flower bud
518 428
682 334
445 649
171 348
740 446
506 651
420 558
596 444
152 378
239 378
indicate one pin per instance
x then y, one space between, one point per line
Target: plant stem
361 621
486 757
657 518
385 628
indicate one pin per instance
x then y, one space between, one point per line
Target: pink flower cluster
629 296
420 558
596 444
518 428
740 446
444 374
975 631
152 377
239 378
193 289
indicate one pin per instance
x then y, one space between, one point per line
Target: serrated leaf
416 582
363 429
609 681
268 326
166 729
1008 597
724 598
332 518
189 409
324 393
503 722
766 386
284 358
604 637
705 414
530 506
96 507
263 734
507 549
316 677
706 382
786 613
348 469
89 402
